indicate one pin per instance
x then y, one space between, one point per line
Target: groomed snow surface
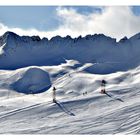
74 113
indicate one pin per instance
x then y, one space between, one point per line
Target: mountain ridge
21 51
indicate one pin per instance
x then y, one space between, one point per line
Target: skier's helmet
103 81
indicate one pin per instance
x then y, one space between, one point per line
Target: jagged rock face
20 51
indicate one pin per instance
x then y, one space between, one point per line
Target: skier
103 84
85 93
54 94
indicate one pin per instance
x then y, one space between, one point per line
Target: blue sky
39 17
53 18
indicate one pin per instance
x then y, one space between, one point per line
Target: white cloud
115 21
19 31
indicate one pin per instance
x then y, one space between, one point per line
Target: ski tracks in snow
63 108
15 111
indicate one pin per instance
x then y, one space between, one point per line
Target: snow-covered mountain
107 55
30 67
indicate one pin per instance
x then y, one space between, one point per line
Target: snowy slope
108 55
30 67
75 113
34 80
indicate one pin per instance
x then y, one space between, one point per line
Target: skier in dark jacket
103 84
54 94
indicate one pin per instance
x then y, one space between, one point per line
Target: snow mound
34 80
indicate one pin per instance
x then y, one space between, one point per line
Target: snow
104 52
34 80
30 67
1 49
74 113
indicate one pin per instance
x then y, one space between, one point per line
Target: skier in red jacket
103 84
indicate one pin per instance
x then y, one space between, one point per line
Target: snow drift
34 80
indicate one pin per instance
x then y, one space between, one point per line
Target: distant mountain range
106 54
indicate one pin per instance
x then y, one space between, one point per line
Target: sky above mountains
48 21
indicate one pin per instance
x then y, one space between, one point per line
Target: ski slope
74 113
